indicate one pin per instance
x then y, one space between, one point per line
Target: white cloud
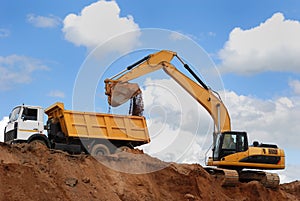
98 23
177 36
167 102
272 46
56 94
212 34
181 130
4 33
295 85
289 174
266 120
3 123
15 69
181 36
42 21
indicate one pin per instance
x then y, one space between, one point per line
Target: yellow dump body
99 125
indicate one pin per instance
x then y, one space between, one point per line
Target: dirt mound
32 172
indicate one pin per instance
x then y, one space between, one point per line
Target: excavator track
232 177
226 176
269 180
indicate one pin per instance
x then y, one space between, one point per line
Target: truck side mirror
9 118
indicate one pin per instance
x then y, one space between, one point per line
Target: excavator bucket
120 92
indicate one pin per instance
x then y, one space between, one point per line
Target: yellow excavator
231 154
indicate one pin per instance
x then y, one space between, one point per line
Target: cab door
29 123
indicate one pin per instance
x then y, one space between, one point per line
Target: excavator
232 159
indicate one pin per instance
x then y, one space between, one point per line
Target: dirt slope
31 172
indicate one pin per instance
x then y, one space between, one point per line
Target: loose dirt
32 172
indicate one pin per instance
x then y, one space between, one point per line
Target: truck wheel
122 149
100 150
38 142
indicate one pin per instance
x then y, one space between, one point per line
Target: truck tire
38 138
100 150
39 142
122 149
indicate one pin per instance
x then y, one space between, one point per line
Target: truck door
29 123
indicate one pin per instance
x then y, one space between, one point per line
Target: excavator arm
119 90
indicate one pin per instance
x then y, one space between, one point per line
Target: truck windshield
14 114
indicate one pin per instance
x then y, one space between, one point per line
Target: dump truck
75 131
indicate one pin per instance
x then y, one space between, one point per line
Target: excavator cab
229 143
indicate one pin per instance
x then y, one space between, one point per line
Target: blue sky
252 43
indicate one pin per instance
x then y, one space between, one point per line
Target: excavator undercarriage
231 178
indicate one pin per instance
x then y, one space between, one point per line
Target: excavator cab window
229 143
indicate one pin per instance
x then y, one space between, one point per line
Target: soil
32 172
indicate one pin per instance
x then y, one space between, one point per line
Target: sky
246 50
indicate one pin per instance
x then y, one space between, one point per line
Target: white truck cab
26 123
